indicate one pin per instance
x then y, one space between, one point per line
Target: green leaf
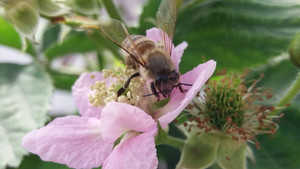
25 92
62 80
168 155
50 36
159 104
148 17
111 9
9 36
283 150
274 73
33 161
76 43
236 33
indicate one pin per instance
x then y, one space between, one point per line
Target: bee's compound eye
173 76
158 81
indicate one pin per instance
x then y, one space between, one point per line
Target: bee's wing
166 20
116 31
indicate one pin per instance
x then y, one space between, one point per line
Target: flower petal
72 140
81 91
178 53
118 118
178 101
134 153
154 34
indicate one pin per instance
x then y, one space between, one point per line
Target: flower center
229 106
224 103
106 91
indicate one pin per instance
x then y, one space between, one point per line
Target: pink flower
88 141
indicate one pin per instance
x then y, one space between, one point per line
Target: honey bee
151 59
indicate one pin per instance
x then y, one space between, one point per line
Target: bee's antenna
185 84
146 95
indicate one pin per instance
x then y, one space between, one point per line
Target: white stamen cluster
104 92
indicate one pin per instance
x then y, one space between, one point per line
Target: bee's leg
181 89
122 90
154 91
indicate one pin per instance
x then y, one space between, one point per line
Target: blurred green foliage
9 36
238 34
25 93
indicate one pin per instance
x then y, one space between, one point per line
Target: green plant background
238 34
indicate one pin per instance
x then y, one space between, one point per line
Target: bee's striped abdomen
141 43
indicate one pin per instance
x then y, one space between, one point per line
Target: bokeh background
253 35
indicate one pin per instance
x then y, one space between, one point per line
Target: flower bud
86 7
294 50
24 17
50 8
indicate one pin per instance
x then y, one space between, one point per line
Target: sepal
161 136
232 154
200 151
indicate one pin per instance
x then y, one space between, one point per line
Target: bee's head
165 82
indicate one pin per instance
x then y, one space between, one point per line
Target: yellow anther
97 85
129 94
123 99
92 87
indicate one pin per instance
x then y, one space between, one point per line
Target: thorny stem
292 92
174 142
112 10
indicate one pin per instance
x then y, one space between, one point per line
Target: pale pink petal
81 91
118 118
176 53
178 101
137 152
131 10
72 140
154 34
